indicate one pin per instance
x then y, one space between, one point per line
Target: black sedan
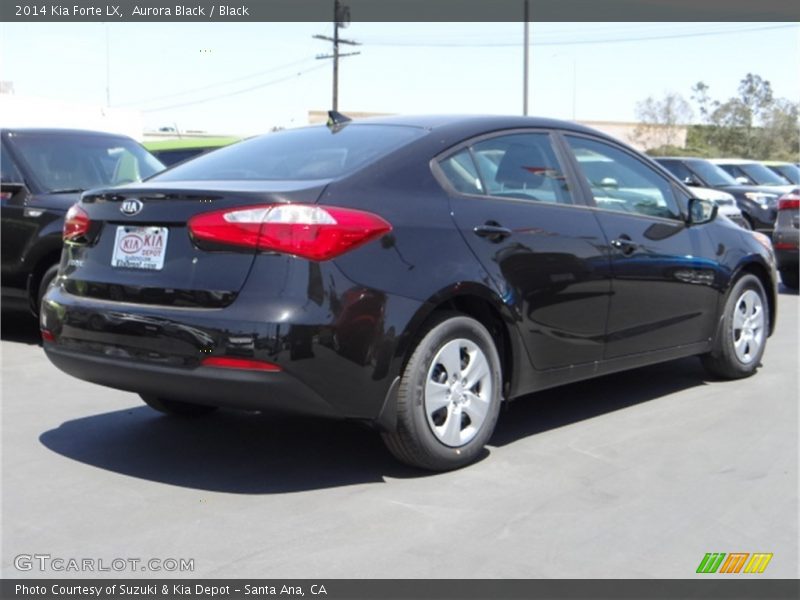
410 273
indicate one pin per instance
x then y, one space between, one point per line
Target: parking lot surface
633 475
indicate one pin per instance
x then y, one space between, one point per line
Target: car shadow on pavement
228 451
257 453
20 327
561 406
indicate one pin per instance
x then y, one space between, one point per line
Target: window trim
564 162
586 189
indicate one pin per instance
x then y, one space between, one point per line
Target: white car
725 201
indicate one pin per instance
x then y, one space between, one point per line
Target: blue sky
248 77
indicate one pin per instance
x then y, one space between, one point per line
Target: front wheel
742 337
449 396
176 407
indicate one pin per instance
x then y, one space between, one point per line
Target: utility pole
341 18
525 63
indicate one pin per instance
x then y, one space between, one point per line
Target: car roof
680 158
469 125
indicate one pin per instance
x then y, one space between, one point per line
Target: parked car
409 272
786 238
790 172
751 172
172 152
43 173
757 203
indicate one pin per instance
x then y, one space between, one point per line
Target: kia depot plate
140 247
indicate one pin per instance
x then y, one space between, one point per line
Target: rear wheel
740 343
176 407
449 396
789 277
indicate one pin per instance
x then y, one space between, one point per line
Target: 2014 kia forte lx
411 273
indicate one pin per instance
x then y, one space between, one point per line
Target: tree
753 124
661 121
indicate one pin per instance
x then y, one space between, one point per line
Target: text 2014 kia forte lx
412 273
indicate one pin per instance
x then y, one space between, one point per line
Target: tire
176 407
742 334
44 283
789 278
447 403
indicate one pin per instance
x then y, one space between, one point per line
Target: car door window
678 169
522 166
622 183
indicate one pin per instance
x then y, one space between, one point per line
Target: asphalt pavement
634 475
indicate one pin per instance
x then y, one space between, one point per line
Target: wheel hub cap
458 392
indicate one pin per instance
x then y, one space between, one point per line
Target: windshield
70 162
761 175
790 173
297 154
710 173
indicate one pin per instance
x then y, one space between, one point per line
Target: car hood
778 190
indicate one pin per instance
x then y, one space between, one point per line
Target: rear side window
620 182
297 154
522 166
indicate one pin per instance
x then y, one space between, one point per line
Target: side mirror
702 211
691 181
609 182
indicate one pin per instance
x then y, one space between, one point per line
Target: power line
237 92
575 42
220 83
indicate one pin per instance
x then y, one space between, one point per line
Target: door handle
625 243
492 231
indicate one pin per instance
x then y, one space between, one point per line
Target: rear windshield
67 162
297 154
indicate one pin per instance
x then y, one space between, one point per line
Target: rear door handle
624 243
492 231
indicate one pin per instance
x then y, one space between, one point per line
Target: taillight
76 223
230 362
790 201
308 231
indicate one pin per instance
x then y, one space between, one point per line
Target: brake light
308 231
790 201
48 336
76 223
229 362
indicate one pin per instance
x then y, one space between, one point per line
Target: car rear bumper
214 386
334 362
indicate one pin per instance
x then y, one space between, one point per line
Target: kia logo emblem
131 207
